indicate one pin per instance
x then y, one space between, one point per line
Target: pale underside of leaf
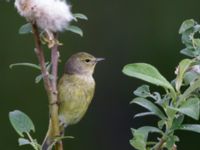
21 122
25 64
147 73
80 16
190 127
26 28
182 68
190 108
75 29
150 106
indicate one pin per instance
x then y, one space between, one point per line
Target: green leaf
191 127
190 77
190 108
188 52
25 64
187 24
144 114
177 122
23 141
147 73
157 97
140 136
80 16
149 105
187 37
138 142
75 29
170 111
142 91
182 68
196 43
24 29
161 123
21 122
171 140
38 78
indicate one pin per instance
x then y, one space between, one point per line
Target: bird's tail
49 139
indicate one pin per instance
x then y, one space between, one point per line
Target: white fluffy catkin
51 15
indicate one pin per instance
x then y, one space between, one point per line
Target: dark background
121 31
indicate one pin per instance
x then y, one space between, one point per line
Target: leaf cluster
23 125
181 97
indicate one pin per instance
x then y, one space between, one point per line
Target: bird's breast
75 93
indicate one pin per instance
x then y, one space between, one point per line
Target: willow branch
54 62
40 55
54 107
50 85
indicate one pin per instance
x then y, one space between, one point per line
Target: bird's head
81 63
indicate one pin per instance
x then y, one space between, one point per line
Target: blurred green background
122 32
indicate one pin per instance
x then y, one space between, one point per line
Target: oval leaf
21 122
190 77
187 24
188 52
24 29
75 29
80 16
182 68
147 73
140 136
144 114
38 78
23 141
150 106
191 127
177 122
142 91
190 108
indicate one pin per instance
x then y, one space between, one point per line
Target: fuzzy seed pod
49 15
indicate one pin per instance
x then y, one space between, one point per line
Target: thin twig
160 144
32 142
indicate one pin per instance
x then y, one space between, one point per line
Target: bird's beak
99 59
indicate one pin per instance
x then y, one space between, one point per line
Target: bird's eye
87 60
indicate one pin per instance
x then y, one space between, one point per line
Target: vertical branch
40 55
50 85
54 71
54 62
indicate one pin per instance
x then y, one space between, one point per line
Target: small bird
75 90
